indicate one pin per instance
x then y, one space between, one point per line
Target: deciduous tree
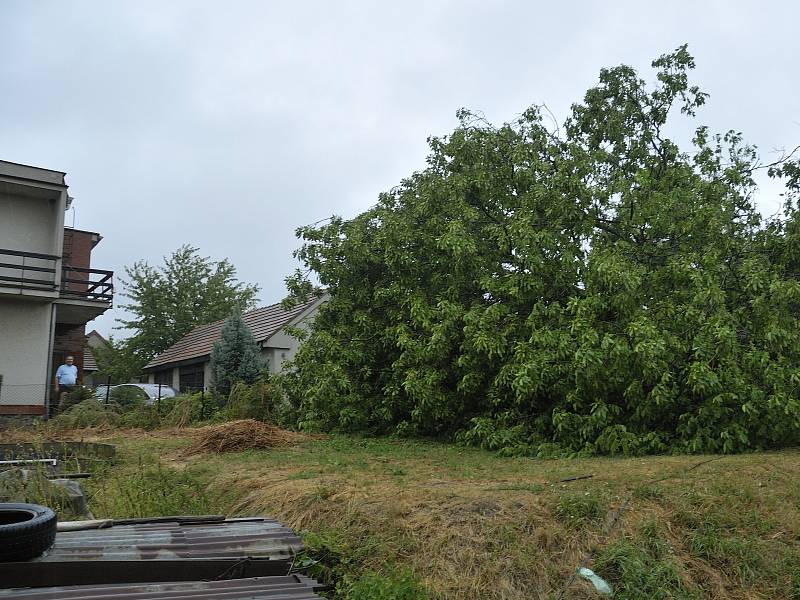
587 288
166 302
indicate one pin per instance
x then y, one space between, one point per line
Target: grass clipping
246 434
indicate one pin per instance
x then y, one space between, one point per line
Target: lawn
418 519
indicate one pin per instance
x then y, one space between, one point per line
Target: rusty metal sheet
171 540
162 549
289 587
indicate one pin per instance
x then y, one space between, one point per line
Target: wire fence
23 394
44 400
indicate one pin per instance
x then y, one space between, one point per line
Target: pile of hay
246 434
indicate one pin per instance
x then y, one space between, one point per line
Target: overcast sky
226 125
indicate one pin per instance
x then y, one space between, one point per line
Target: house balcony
81 294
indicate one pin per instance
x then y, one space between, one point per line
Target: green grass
413 519
580 510
149 491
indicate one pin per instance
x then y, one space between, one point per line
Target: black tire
26 531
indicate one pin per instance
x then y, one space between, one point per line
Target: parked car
147 392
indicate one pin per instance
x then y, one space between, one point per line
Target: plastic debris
598 582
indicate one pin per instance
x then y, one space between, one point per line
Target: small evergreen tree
235 356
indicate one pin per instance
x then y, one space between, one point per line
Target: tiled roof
263 323
89 364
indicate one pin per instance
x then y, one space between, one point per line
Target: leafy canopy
166 302
587 288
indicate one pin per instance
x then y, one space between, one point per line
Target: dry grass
472 525
507 528
236 436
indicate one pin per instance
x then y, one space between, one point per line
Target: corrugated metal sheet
289 587
263 323
169 540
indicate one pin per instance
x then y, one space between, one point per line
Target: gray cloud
228 125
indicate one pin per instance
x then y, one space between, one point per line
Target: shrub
88 413
188 409
76 396
256 401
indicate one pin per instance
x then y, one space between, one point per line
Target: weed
635 574
374 586
579 510
148 492
734 554
88 413
647 491
321 493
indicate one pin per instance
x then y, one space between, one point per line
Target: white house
186 365
48 291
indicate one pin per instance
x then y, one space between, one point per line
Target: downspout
47 385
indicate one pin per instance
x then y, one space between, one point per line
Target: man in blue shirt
66 379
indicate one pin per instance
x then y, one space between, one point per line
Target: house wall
282 347
95 342
78 247
77 253
24 347
30 224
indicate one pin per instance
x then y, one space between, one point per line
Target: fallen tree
586 288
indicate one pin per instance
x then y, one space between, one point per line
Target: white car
148 392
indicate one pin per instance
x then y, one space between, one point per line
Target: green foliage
235 356
256 401
579 510
149 491
169 301
88 413
331 562
190 409
374 586
643 570
127 397
76 396
590 288
31 485
116 360
181 411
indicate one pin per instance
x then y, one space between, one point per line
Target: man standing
66 379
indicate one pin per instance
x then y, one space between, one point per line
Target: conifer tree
235 357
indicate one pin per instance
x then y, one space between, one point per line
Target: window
163 377
192 378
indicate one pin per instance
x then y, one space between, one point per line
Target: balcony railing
28 271
33 271
87 284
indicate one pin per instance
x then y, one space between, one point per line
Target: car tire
26 531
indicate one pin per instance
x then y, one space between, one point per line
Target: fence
22 395
31 399
154 395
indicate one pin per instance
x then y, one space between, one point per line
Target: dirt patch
236 436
